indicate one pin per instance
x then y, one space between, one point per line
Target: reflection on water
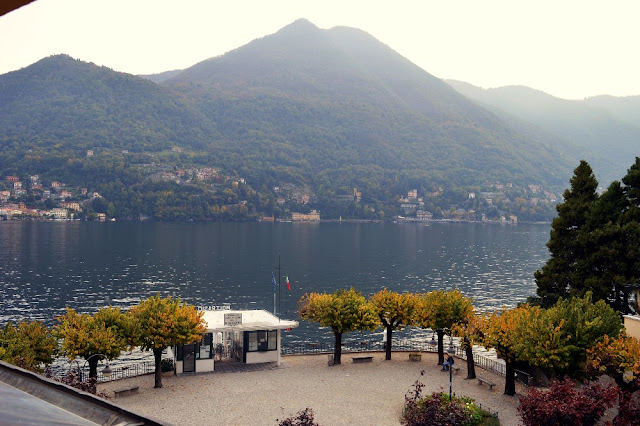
47 266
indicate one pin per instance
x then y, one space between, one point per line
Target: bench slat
485 381
126 390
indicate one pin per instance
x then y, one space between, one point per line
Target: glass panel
262 340
253 342
273 340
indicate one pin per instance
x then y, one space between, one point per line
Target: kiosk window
262 341
206 346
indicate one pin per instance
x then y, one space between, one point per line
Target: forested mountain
626 108
603 130
322 111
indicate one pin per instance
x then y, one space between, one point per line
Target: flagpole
279 296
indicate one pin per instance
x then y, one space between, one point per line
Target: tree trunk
157 355
93 365
440 332
337 350
510 379
471 365
388 348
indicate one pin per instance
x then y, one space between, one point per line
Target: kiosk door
189 362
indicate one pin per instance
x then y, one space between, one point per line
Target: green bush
167 365
438 409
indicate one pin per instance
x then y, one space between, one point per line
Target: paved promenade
347 394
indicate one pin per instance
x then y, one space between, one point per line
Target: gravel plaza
370 393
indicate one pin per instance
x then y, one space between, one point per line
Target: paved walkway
354 394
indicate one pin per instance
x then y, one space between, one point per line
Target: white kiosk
248 337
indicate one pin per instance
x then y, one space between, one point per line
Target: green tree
28 345
440 310
632 192
343 311
582 323
554 280
86 336
395 311
164 323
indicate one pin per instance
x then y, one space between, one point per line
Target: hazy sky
570 49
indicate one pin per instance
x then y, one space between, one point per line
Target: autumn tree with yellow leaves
343 311
440 310
617 357
525 333
164 323
85 335
395 311
28 345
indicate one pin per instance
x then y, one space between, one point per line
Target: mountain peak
300 25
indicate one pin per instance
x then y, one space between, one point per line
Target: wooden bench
125 391
357 359
485 381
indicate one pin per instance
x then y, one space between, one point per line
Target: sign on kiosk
232 319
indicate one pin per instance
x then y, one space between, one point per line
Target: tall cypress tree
602 241
555 279
631 190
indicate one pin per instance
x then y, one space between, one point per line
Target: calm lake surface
46 266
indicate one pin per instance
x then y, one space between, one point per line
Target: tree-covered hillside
603 130
319 112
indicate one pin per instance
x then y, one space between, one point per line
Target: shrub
565 404
438 409
74 379
166 365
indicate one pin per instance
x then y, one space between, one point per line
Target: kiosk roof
249 320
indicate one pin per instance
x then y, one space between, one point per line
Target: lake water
45 266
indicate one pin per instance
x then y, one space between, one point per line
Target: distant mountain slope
78 105
324 110
604 139
335 98
160 77
625 108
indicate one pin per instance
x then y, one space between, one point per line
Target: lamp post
106 371
433 341
451 351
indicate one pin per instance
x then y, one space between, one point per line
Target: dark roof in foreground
28 398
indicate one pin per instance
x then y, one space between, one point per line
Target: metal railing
487 363
131 370
353 346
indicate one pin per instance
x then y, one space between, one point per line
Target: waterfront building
234 336
314 216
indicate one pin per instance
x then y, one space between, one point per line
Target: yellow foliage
343 311
167 322
396 310
443 309
618 356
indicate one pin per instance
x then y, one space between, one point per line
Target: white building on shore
248 337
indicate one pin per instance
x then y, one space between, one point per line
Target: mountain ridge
604 135
328 110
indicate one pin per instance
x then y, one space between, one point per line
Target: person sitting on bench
448 363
